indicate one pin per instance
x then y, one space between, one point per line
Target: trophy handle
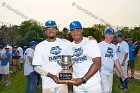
72 63
58 61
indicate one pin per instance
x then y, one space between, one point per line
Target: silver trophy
66 62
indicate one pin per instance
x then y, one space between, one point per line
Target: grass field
18 85
137 64
18 81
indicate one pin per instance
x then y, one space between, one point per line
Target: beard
52 37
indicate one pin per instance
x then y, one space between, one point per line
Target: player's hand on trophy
54 77
77 81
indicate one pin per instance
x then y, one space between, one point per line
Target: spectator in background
10 63
15 59
31 78
132 56
123 57
137 44
114 41
1 52
21 55
5 64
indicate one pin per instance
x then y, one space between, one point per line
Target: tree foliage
31 30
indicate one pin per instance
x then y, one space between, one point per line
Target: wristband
84 80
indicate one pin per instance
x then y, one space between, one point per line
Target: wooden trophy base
66 81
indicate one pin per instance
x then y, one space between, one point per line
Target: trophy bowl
65 75
65 61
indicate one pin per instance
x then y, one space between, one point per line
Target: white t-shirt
46 55
83 54
28 68
122 48
20 51
108 52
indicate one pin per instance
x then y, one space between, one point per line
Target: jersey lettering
109 53
118 49
55 51
78 55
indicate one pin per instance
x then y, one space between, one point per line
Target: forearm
3 57
30 59
125 57
93 68
117 64
40 70
44 72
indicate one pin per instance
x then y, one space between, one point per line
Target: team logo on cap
50 22
74 24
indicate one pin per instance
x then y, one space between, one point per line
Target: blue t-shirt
7 60
132 54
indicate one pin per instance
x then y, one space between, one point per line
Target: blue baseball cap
120 35
75 24
50 24
109 31
33 43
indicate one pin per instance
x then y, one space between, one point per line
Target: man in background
31 78
132 57
123 57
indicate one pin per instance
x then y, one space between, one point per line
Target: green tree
125 31
135 33
31 30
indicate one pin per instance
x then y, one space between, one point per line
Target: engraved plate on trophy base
65 77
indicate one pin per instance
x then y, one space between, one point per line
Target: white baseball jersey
122 48
28 68
46 55
20 51
83 54
108 52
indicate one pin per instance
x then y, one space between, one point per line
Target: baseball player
45 59
87 56
31 78
123 57
109 58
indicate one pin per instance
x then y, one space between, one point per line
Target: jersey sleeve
38 58
126 47
31 53
115 53
94 49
